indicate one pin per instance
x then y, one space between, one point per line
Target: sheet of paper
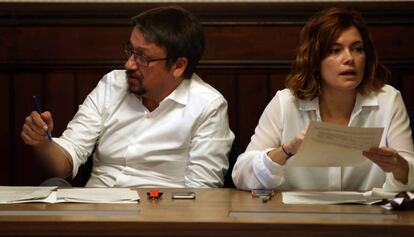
327 145
13 194
336 197
98 195
310 197
19 194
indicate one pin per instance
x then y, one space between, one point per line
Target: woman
336 78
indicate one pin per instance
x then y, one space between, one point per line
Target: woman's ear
179 67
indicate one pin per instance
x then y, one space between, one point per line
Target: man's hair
175 30
316 39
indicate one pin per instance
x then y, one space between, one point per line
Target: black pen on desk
39 110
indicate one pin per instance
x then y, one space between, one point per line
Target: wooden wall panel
407 89
277 82
6 147
86 81
392 41
252 99
61 51
26 169
61 99
226 84
7 41
70 43
254 42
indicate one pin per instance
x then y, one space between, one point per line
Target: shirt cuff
268 163
397 186
269 173
66 146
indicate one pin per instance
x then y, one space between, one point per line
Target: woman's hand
389 160
294 144
279 155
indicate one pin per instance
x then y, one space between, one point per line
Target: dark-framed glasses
139 58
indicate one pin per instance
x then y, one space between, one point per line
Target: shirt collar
180 94
308 105
361 101
366 100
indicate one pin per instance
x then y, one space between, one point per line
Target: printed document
327 145
19 194
14 194
336 197
98 195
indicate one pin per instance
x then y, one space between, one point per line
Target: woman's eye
359 49
335 50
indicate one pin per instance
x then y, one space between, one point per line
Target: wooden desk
215 212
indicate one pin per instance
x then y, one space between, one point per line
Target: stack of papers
328 145
98 195
10 194
336 197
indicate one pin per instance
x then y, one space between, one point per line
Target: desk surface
215 212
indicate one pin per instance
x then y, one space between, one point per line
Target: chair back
411 115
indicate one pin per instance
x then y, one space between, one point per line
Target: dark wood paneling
289 12
277 82
62 43
5 130
26 170
407 89
7 42
226 84
393 42
86 81
255 42
253 98
60 51
61 98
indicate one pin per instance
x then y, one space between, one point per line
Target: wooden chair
411 115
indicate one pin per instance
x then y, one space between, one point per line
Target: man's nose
130 63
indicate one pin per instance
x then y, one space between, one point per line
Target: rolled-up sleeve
83 130
210 145
399 138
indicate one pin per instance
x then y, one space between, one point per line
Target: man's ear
179 67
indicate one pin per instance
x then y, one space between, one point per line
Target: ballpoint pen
39 110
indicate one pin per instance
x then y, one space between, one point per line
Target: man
154 124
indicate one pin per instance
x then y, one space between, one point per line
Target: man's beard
140 91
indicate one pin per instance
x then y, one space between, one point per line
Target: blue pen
39 110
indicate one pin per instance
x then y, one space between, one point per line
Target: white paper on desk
98 195
329 197
336 197
21 194
13 194
327 145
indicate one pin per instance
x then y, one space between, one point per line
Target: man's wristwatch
288 154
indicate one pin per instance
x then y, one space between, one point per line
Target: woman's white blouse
285 116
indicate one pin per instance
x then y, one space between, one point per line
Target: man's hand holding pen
37 127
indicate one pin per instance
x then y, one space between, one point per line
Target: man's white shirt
182 143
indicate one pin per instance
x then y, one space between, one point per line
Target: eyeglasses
140 59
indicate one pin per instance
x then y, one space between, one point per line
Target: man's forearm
54 158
